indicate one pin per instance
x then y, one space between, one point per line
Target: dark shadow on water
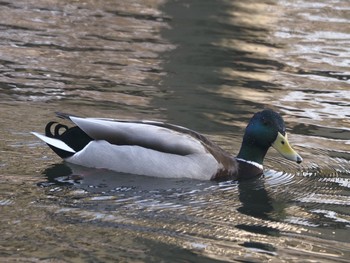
260 247
195 67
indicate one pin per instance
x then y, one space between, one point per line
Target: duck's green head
265 129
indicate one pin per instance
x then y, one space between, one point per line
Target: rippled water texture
207 65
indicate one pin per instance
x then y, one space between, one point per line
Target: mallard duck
164 150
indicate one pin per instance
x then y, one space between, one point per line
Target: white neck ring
258 165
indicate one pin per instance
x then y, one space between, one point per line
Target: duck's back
158 136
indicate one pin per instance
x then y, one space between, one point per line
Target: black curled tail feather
74 137
48 132
57 129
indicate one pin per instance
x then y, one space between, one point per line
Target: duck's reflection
255 200
58 174
102 180
253 196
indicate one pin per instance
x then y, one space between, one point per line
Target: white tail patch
54 142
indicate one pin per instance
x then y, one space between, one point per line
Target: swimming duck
164 150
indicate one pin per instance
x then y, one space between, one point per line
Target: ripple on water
6 202
278 178
343 182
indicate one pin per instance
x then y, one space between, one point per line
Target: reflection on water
207 65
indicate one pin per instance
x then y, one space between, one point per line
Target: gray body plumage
145 148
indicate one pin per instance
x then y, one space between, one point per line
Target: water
207 65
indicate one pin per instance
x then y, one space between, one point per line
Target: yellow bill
281 144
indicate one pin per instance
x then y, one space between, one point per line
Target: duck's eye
266 122
282 142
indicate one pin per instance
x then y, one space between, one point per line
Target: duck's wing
148 134
173 151
154 135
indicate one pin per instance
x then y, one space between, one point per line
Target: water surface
207 65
